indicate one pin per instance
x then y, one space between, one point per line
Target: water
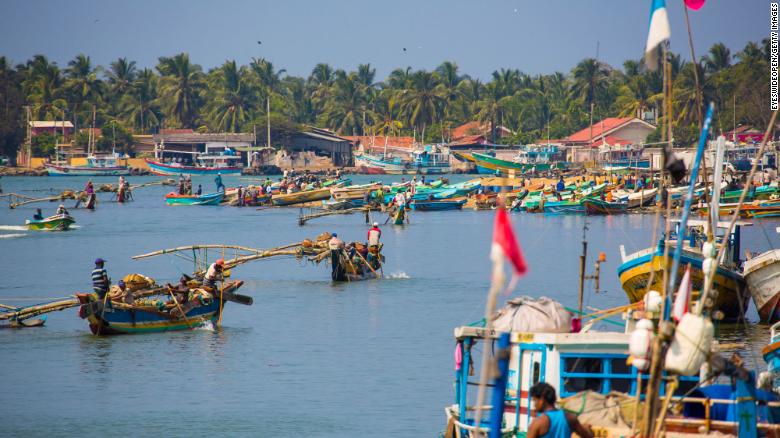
309 358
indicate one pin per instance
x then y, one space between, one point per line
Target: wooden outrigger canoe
301 197
58 222
113 318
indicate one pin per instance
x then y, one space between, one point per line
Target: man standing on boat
100 280
551 422
561 185
374 234
218 181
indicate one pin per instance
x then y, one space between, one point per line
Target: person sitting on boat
374 234
38 216
561 186
100 280
61 210
335 243
218 182
640 184
200 190
552 422
214 274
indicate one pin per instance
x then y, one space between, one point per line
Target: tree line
178 93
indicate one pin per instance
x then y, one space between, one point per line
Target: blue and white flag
657 33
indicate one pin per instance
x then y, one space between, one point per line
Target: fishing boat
357 267
637 268
428 161
438 205
383 164
301 197
497 165
207 199
563 207
595 206
762 274
638 199
166 169
58 222
158 309
97 165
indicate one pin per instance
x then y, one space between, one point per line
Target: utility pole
28 154
268 116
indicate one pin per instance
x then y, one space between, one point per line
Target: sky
539 36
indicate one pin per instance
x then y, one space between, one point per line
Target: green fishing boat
58 222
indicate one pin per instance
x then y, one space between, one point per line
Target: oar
367 264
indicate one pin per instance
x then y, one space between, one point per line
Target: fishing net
525 314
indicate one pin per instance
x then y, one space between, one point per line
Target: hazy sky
539 36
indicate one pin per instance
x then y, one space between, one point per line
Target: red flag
694 4
505 246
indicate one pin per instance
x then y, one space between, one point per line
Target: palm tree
319 82
44 89
423 101
635 96
269 81
449 81
83 86
180 89
492 106
138 105
718 58
230 107
346 111
121 75
590 82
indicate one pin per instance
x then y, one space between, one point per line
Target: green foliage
43 145
429 104
115 137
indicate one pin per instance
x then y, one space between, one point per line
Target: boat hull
489 165
55 170
762 274
563 207
635 273
597 207
163 169
301 197
53 223
437 205
209 199
114 320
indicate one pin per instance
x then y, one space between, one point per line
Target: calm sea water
309 358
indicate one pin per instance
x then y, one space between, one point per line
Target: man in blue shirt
551 422
100 281
218 181
561 186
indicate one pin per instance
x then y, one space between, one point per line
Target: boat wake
207 326
11 236
398 275
13 228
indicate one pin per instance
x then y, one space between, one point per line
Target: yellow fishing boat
301 197
732 297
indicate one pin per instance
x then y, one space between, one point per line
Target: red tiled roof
378 141
610 140
474 128
467 129
605 125
470 139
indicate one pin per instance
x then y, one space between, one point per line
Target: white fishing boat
97 165
762 274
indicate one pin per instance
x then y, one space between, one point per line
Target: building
473 129
64 128
614 135
380 144
320 143
184 145
745 134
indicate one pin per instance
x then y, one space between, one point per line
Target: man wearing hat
214 274
100 281
374 233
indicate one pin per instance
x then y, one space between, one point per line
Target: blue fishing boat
449 204
207 199
167 169
564 207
